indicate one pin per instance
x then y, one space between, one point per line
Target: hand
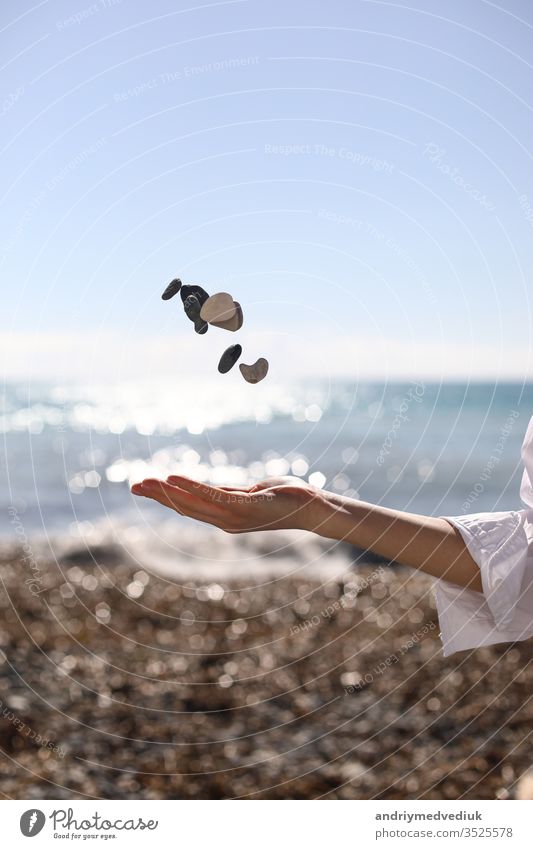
273 504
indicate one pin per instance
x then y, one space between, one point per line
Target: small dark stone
172 289
193 289
229 358
192 307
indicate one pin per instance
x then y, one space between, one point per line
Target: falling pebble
218 308
234 323
195 290
256 372
172 289
191 305
229 358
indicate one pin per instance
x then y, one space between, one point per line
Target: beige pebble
217 308
255 373
234 323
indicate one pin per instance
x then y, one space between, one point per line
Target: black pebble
171 290
229 358
192 307
200 293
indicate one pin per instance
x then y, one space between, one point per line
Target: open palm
272 504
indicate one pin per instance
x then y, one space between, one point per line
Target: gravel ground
119 684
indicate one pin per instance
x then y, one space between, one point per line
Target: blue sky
357 174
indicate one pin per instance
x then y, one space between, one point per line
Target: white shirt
502 546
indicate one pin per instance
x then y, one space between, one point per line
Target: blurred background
358 176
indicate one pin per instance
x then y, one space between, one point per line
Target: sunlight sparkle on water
317 479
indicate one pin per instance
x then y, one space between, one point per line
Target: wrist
324 514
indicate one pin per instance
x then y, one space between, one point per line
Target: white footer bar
261 824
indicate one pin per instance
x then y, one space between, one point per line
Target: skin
431 545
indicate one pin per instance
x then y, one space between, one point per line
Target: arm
430 545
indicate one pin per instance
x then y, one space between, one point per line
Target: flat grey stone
229 358
256 372
217 308
172 289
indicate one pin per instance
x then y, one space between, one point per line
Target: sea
71 451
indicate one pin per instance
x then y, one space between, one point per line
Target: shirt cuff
499 545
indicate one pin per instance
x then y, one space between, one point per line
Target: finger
152 488
177 499
193 485
188 512
204 491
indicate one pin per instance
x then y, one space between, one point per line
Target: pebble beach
121 683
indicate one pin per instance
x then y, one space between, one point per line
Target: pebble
172 289
218 308
222 311
196 290
234 323
407 750
256 372
229 358
191 305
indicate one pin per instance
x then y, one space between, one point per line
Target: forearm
431 545
425 543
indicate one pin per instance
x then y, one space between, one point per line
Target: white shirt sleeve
502 546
